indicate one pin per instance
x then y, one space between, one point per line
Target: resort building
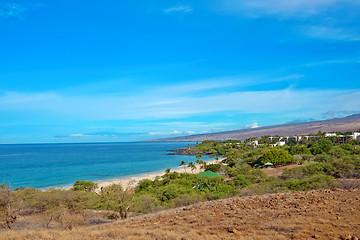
342 138
281 141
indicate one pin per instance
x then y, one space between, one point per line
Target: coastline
131 182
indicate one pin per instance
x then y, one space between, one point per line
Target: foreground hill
350 123
321 214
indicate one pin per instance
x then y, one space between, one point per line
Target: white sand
132 182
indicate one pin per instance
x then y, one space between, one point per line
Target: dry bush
187 199
116 198
64 218
7 209
348 183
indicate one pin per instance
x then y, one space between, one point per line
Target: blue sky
84 71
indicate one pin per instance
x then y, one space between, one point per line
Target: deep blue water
53 165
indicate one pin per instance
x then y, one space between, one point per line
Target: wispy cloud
182 101
17 9
252 125
338 114
326 62
171 133
293 8
100 134
78 135
10 9
181 8
331 33
138 107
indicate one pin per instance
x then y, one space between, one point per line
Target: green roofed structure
209 174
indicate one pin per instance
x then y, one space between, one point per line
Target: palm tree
199 156
182 163
192 166
203 165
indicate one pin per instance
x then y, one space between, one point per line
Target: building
330 135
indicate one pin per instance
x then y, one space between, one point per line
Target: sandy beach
132 182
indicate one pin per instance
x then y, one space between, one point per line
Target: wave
13 154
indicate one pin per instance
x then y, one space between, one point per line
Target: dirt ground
322 214
279 170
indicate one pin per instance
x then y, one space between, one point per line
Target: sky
114 71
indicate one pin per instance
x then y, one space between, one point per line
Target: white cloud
182 8
10 9
332 19
313 64
338 114
78 135
293 8
197 125
163 104
331 33
252 125
175 132
219 84
14 9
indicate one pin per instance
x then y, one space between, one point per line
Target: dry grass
320 214
279 170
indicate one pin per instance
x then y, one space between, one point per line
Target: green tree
86 186
321 146
275 156
213 167
192 166
182 163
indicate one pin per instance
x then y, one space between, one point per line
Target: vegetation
87 186
276 157
322 162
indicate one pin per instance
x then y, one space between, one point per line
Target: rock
96 221
346 237
187 208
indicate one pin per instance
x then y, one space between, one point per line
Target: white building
330 134
356 136
280 143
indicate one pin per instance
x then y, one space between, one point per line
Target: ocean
55 165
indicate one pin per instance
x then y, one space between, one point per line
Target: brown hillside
322 214
351 123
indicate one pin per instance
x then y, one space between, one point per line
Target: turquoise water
54 165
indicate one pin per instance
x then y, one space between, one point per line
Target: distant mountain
350 123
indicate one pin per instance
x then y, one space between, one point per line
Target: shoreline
131 182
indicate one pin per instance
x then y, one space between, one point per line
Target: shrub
172 191
213 167
222 191
337 152
275 156
321 146
7 209
87 186
117 199
144 184
314 182
188 199
146 203
299 149
241 181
